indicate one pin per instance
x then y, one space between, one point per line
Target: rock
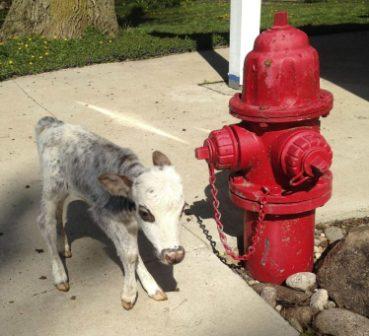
286 296
303 281
296 324
341 322
333 234
278 308
330 304
319 300
303 315
269 294
344 272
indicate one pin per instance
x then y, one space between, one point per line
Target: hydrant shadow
232 217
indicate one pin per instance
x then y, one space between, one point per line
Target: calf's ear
116 185
160 159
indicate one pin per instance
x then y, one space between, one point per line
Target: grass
192 26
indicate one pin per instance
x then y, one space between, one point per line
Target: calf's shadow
80 225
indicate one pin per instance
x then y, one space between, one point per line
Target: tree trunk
59 18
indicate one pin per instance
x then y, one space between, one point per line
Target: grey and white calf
123 196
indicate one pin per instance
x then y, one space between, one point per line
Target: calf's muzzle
173 255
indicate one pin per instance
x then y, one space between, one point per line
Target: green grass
194 25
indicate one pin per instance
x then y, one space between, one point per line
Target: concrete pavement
152 104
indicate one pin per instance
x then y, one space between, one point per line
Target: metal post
245 27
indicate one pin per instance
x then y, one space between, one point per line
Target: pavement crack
32 98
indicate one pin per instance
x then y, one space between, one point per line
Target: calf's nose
173 255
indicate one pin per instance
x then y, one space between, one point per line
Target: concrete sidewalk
152 104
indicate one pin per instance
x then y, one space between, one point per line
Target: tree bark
59 18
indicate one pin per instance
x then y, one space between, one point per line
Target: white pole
245 27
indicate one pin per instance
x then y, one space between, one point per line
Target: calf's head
158 194
158 204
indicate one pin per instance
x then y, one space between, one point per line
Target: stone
344 271
341 322
319 300
303 315
333 234
330 304
303 281
285 295
269 294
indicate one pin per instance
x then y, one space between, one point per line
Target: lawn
192 26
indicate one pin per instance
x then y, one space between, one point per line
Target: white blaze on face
159 191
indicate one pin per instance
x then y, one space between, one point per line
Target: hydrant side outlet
279 161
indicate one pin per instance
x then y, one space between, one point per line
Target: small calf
123 196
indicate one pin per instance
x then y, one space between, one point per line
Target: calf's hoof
127 305
63 286
159 296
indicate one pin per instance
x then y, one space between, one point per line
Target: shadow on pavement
343 50
232 217
344 60
80 224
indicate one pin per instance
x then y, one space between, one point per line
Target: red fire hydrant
278 159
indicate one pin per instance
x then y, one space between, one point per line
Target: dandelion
46 53
10 62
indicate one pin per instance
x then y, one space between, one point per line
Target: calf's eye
145 214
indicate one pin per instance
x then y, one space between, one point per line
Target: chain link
223 238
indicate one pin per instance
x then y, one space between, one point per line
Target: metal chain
223 238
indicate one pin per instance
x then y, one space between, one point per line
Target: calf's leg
125 241
48 226
149 283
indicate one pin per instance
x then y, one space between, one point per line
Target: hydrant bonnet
281 78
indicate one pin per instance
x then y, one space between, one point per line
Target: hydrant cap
305 153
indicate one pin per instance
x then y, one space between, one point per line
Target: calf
123 197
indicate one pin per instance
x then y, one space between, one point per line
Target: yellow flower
30 63
26 45
110 41
32 56
10 62
29 39
46 53
40 57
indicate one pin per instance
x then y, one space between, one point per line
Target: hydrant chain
220 227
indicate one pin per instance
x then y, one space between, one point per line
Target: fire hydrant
278 159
